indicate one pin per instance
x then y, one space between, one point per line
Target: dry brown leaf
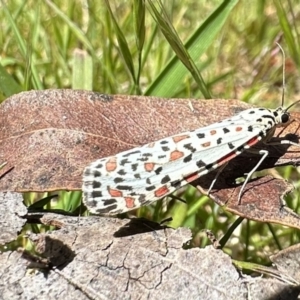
48 137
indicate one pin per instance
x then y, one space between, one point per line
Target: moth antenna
283 73
292 105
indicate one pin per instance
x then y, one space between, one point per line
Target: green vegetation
104 46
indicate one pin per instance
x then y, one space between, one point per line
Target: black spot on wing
158 170
96 194
150 188
188 158
133 194
97 173
124 161
118 179
200 163
142 198
226 130
134 167
209 166
96 184
189 147
147 154
131 153
124 187
106 209
121 172
143 159
240 148
109 201
219 141
231 146
87 172
200 135
176 184
165 179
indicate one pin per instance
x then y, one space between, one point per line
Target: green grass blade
229 232
123 45
172 76
140 32
73 27
82 76
287 29
23 48
175 42
15 29
8 85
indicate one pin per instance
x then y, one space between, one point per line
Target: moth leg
264 154
216 177
282 142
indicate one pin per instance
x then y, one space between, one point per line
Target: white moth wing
141 173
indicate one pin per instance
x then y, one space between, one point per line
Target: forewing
145 174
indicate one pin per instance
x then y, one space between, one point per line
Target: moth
140 176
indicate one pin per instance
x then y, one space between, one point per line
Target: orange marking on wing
213 132
207 144
149 166
129 202
191 177
111 164
115 193
179 138
227 158
239 128
162 191
253 141
176 155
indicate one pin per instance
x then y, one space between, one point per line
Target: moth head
283 114
285 117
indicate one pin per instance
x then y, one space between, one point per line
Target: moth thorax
281 116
